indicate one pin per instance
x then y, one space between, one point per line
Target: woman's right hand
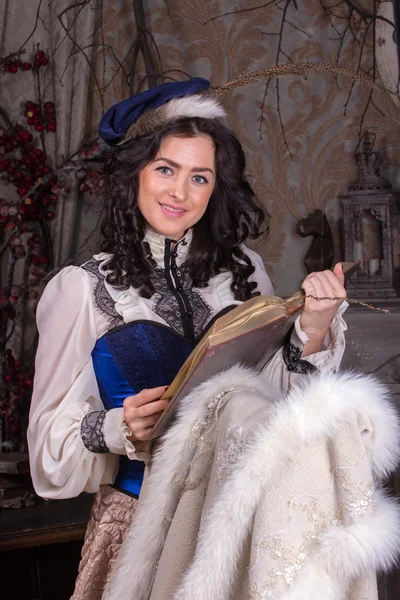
143 410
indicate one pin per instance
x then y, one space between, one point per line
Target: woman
114 332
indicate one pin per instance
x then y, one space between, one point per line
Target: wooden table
40 548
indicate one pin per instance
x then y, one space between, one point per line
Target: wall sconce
369 213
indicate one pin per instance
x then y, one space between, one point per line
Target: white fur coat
251 497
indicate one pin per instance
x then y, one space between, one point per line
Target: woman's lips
172 211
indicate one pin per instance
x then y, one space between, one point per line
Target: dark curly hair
231 217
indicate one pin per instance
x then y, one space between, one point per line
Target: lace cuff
116 433
291 354
92 431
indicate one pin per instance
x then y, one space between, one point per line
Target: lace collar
156 242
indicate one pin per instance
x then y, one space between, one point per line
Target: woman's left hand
317 314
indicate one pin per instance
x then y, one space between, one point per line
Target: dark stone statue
320 254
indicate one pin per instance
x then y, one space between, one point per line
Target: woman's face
175 188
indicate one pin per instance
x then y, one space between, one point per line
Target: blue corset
128 359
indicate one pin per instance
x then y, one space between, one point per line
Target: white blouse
65 386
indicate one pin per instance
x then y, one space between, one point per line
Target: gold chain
351 300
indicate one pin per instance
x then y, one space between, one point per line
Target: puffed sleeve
66 409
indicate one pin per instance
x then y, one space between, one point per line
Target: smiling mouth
172 209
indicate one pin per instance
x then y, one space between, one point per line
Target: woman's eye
200 179
164 170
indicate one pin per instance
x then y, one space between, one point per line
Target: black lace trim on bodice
164 300
291 357
92 431
166 304
102 299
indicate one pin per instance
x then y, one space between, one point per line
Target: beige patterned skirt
111 515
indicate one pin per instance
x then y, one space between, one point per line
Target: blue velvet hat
151 109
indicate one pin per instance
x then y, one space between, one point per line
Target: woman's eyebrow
178 166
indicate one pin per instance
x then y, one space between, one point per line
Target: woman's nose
179 190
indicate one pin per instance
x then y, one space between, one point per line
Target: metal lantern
369 215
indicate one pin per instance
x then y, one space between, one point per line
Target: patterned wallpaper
187 38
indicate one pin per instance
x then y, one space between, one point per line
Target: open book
250 334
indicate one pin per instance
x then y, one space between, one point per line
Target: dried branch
34 27
150 65
36 75
242 10
91 234
355 17
135 55
263 105
75 44
8 237
81 6
298 29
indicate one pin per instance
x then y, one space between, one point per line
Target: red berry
53 198
51 127
8 378
26 137
26 66
13 68
49 217
39 54
49 106
39 127
44 61
33 295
